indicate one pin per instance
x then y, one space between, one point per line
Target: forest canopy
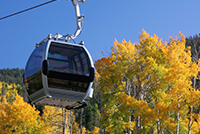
150 86
12 75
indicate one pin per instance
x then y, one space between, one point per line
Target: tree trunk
3 92
128 90
81 120
137 124
152 130
168 132
177 120
70 123
64 120
130 132
24 93
158 126
13 86
191 109
190 120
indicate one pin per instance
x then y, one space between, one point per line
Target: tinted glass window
34 83
34 63
68 59
68 85
33 77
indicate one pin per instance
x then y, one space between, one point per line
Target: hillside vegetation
150 86
12 75
17 116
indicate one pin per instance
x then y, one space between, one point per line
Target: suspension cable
27 9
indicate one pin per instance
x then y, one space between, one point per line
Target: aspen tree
159 87
20 117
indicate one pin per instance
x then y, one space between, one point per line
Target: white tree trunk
158 126
177 120
70 122
190 120
81 118
64 120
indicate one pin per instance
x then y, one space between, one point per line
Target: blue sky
105 21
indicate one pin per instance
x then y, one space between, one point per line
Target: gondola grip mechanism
79 21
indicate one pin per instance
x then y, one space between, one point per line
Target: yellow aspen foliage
97 76
10 91
20 117
95 131
84 131
52 119
17 116
147 84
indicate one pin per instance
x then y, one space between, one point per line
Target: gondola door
68 71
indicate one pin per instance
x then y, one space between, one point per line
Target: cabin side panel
33 75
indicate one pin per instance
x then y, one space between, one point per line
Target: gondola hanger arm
79 18
79 21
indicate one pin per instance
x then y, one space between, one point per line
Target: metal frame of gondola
68 38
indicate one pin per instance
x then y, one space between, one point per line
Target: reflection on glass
68 59
68 66
34 63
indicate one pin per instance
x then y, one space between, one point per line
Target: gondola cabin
59 74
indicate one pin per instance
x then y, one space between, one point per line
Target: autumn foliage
20 117
147 86
17 116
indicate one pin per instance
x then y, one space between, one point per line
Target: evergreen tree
12 75
194 43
